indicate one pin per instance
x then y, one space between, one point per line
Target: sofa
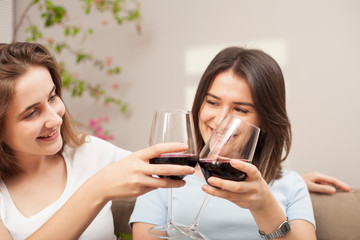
337 216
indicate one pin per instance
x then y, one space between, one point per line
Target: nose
53 117
221 115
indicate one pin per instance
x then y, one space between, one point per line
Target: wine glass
232 139
172 126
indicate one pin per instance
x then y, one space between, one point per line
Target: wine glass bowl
171 125
221 168
178 159
233 139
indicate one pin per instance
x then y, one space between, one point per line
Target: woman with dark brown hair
270 107
56 183
272 202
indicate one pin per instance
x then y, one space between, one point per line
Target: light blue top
222 219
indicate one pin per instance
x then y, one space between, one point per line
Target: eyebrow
35 104
237 103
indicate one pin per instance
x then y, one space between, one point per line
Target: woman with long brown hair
249 84
57 183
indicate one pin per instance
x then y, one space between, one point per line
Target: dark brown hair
15 61
267 87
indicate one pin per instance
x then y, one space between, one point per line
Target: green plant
56 16
125 236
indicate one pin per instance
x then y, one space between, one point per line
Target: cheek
20 135
204 113
203 118
256 121
60 109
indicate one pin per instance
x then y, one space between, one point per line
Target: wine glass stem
201 211
170 196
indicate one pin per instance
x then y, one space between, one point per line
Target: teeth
49 134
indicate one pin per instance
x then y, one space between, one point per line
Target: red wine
222 169
178 159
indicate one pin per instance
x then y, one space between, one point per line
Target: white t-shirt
81 163
222 219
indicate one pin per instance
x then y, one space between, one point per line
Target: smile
49 135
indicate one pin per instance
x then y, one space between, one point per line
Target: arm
150 209
318 182
140 231
4 234
132 176
255 195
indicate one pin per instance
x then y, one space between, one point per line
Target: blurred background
163 52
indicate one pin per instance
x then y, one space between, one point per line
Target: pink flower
92 123
98 130
109 61
115 85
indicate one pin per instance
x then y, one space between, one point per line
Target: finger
161 148
343 186
168 169
250 169
334 181
155 182
223 193
232 186
321 188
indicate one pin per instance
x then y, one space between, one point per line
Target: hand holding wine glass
231 144
172 126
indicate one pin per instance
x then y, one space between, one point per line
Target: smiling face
228 94
32 126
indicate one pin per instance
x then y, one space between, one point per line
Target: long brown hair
267 87
15 61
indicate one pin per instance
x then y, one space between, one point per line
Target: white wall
6 20
315 42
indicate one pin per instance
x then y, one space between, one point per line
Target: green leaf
125 236
67 31
49 4
119 19
124 107
135 14
54 15
81 88
80 57
116 8
49 20
59 11
75 31
88 6
66 79
58 48
73 93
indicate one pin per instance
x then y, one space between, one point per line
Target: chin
57 147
